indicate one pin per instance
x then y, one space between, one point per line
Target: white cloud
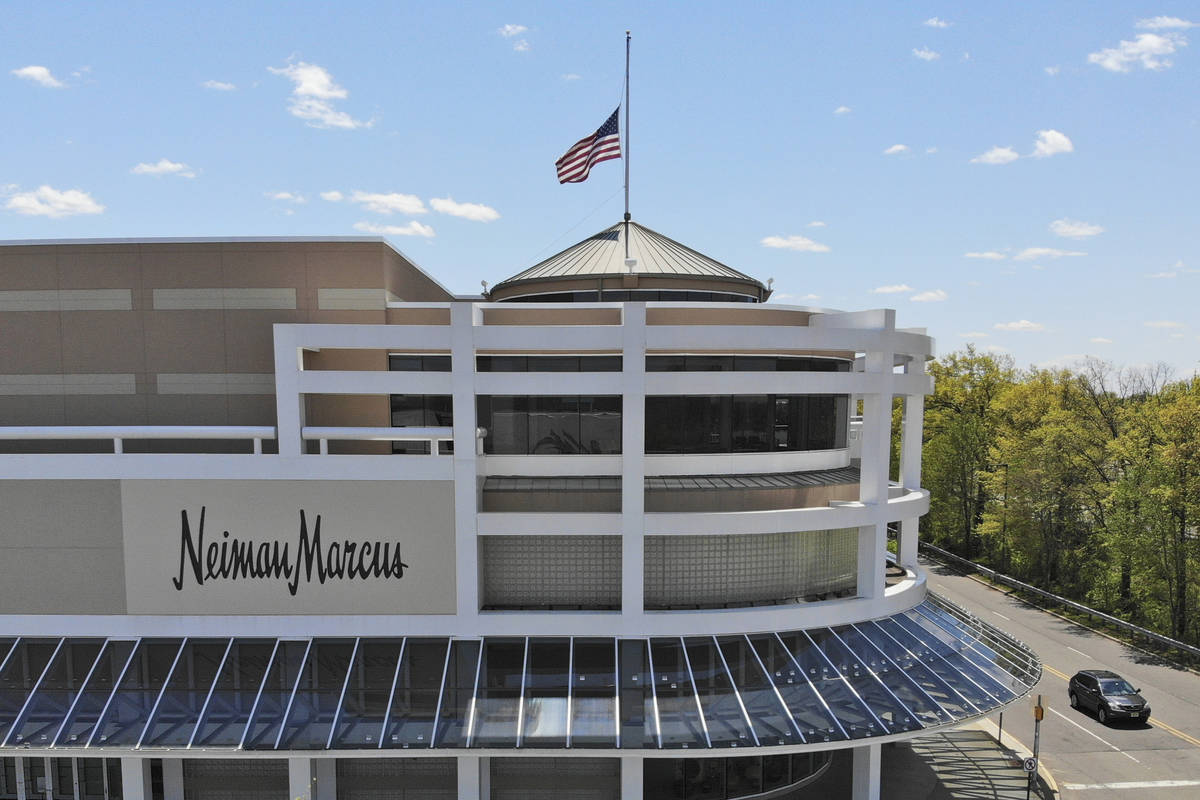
1168 274
896 288
997 155
974 335
164 167
413 228
333 196
1074 229
816 223
1051 143
521 45
934 22
39 75
1100 340
842 110
930 150
1053 70
392 202
995 348
1020 325
781 297
931 296
896 149
1147 49
925 54
1034 253
288 197
570 76
312 92
49 202
1163 23
989 255
800 243
220 86
510 30
1163 323
472 211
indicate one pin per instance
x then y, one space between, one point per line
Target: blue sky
1021 176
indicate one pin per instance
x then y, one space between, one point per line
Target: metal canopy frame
932 651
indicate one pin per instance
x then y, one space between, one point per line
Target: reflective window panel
812 713
497 706
594 694
458 691
131 704
638 710
275 695
678 711
771 721
547 686
318 695
722 706
56 693
414 705
182 701
77 726
233 695
368 693
22 670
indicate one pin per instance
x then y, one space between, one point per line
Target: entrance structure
285 518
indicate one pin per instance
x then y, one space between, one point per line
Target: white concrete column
874 468
135 779
910 463
22 791
172 771
300 779
466 479
632 780
325 778
633 461
474 777
48 771
289 405
865 772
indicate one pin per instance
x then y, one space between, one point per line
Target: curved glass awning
927 667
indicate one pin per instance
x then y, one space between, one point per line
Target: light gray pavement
964 764
1091 761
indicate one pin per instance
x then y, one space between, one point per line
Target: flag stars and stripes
603 145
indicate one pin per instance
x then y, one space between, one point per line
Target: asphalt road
1090 761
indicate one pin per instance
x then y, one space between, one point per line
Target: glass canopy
927 667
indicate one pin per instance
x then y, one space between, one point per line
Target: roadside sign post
1031 764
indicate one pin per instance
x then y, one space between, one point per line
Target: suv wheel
1074 700
1102 714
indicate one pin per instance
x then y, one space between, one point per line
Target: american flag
602 145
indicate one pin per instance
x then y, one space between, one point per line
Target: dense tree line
1084 482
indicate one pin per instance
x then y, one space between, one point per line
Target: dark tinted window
418 363
548 363
550 425
710 363
745 423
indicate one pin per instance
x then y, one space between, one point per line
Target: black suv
1109 694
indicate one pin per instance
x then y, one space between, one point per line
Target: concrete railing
119 433
1127 627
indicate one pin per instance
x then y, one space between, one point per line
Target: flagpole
626 154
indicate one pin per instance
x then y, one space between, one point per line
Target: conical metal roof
604 254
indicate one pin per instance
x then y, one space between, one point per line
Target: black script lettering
237 559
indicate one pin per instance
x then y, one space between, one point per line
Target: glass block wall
551 572
742 570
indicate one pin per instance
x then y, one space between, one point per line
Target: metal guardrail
1128 627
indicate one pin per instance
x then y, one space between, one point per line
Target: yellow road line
1153 720
1174 731
1053 671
